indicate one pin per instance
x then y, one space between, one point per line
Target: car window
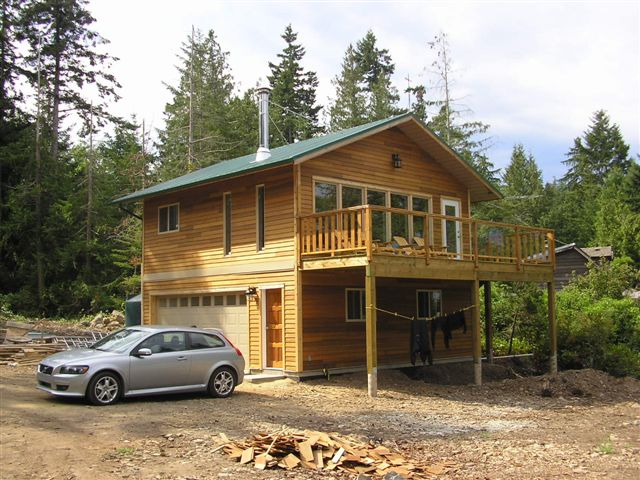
120 341
204 340
165 342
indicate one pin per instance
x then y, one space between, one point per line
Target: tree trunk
90 165
38 191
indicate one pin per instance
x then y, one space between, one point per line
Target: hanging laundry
420 342
447 323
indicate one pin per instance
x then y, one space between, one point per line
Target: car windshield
120 341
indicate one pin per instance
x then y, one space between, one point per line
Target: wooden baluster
368 233
425 238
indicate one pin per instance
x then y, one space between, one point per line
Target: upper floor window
169 218
260 218
227 222
326 196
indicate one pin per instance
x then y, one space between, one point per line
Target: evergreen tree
600 149
201 121
467 138
523 188
293 97
349 108
616 223
9 67
631 186
65 49
420 106
364 92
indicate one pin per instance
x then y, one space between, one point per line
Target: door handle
180 359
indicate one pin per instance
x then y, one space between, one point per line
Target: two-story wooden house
304 254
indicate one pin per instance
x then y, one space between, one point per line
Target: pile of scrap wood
27 353
326 451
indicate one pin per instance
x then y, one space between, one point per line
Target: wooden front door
273 325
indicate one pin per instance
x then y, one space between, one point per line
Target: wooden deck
445 247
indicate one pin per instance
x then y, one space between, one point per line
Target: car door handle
180 359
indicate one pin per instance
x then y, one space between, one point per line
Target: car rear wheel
104 389
222 382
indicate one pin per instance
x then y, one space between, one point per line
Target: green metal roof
284 155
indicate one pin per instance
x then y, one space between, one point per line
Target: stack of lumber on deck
326 451
27 353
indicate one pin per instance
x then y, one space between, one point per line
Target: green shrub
621 360
520 346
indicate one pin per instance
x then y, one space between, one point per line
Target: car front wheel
222 382
104 389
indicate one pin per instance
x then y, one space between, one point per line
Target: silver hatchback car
145 360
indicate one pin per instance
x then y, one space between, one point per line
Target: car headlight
74 369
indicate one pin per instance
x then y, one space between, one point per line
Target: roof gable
481 189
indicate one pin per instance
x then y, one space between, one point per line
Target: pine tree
293 98
600 149
420 105
364 92
202 119
9 67
468 138
349 107
523 188
59 37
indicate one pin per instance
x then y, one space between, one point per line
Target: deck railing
369 230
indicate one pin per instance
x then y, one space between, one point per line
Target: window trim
427 290
346 305
261 219
168 207
227 230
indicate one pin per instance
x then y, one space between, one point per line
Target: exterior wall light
397 161
251 292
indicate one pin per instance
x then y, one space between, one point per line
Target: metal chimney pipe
263 152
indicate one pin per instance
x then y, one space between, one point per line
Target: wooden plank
553 332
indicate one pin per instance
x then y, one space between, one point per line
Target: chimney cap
263 86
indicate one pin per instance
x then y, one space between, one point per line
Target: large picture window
429 303
168 218
355 300
330 195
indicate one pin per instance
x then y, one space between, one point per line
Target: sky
535 71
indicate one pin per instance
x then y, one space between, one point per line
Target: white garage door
226 311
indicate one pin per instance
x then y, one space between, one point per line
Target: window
173 302
218 300
242 299
399 221
379 219
195 301
163 302
355 304
419 204
231 300
168 218
165 342
326 196
198 341
227 223
184 301
206 301
260 218
351 196
429 303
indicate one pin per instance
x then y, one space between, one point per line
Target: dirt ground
582 424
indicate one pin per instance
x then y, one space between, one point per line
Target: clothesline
396 314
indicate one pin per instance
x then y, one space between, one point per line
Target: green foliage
607 279
364 92
293 98
205 122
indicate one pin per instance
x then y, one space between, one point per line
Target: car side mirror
143 352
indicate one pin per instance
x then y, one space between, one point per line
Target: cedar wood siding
193 254
368 161
329 341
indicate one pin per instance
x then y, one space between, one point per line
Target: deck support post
371 336
488 321
553 333
475 333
